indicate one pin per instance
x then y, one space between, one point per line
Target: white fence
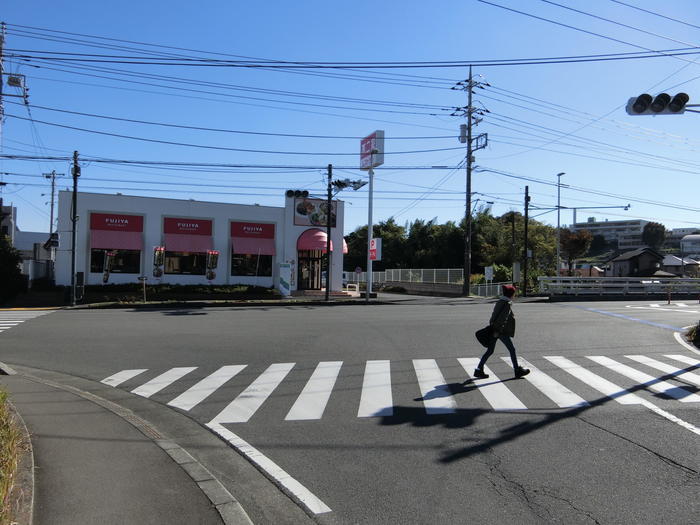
617 286
451 276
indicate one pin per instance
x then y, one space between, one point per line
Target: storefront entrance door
310 263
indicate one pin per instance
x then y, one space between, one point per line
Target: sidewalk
94 466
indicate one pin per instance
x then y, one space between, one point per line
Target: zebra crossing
674 376
11 318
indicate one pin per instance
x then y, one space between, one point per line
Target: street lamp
559 219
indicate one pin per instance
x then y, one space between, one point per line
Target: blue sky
544 119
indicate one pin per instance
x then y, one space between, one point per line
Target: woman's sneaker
520 371
479 374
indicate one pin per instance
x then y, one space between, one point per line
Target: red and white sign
372 150
375 249
187 226
116 222
253 238
252 230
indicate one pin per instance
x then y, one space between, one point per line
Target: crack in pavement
670 462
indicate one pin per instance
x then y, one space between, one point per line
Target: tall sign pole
328 233
371 156
525 248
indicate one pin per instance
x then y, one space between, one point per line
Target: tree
10 274
575 244
654 235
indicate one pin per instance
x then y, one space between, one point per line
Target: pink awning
187 243
115 240
246 245
315 239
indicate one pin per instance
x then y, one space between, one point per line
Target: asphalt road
606 432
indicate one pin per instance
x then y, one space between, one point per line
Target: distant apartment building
627 234
690 246
674 236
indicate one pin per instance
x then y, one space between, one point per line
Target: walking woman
503 325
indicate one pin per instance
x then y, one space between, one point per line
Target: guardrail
617 286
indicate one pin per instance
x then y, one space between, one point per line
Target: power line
232 131
218 148
656 14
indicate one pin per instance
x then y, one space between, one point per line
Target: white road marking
159 383
249 401
562 396
204 388
313 399
646 380
685 359
303 495
495 392
602 385
437 399
679 372
121 377
376 399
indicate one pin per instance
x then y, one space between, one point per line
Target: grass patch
10 450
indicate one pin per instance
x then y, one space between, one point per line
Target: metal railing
449 276
617 286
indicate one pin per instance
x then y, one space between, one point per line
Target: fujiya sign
115 222
253 230
187 226
372 150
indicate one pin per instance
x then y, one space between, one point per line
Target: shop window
251 265
185 263
124 261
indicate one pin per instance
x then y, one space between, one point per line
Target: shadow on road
463 418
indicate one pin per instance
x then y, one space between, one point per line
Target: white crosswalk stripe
601 384
9 318
376 396
562 396
436 397
313 399
493 389
663 387
251 399
376 399
159 383
668 369
207 386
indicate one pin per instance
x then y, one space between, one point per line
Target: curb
22 494
228 507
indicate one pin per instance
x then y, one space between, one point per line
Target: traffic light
662 104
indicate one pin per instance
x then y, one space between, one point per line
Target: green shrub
693 335
394 289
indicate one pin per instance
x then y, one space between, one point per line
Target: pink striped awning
315 239
175 242
115 240
246 245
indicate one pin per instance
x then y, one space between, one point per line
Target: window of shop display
123 261
251 265
185 263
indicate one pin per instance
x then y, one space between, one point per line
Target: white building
690 245
252 241
627 234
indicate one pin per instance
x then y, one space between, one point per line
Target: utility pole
74 220
466 136
328 233
525 254
52 177
2 73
